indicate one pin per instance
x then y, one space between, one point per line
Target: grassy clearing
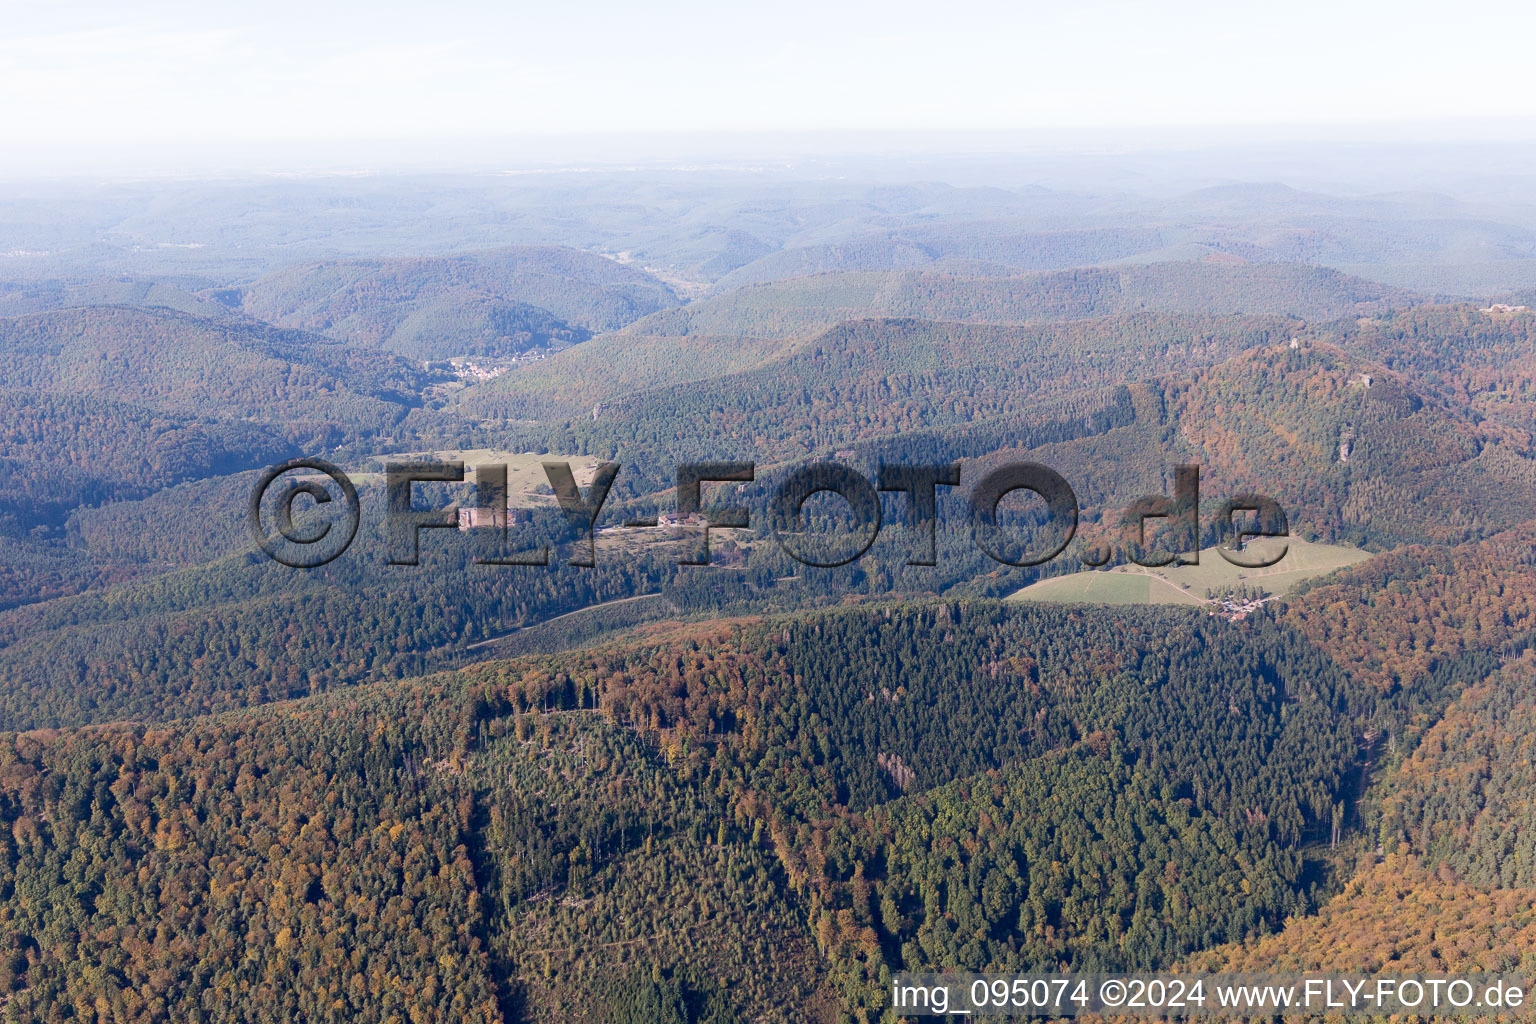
1187 584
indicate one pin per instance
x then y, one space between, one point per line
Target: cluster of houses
474 371
468 369
1235 609
673 519
1499 307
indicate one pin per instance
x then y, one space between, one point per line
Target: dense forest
863 804
1040 788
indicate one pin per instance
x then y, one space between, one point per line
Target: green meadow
1187 584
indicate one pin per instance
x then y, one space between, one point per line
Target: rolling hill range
1268 418
802 305
499 303
706 226
115 403
862 372
1347 445
647 791
1253 221
988 247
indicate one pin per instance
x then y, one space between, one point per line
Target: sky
93 78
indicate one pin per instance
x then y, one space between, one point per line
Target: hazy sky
88 73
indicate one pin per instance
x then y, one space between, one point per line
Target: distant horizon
1237 153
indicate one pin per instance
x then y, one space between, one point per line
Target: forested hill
1460 354
1444 875
19 297
805 304
1358 427
175 363
65 450
114 402
499 302
838 795
1352 449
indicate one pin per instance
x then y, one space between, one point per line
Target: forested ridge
801 305
176 363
